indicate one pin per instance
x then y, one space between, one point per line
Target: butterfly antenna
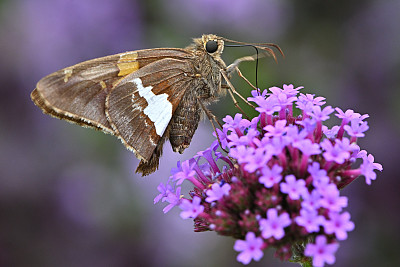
258 89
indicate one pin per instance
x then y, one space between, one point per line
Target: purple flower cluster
279 184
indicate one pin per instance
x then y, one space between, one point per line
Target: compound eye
211 46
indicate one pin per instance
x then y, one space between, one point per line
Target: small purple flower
362 154
339 224
309 124
315 171
274 225
283 99
294 188
222 136
174 199
177 169
346 145
332 200
235 140
245 124
256 96
321 251
257 160
312 200
307 102
208 155
349 115
357 128
164 189
317 101
334 152
307 147
330 133
322 184
268 106
310 220
293 134
276 90
367 168
321 114
191 209
278 130
241 153
346 116
275 145
257 93
305 107
271 176
250 249
289 89
187 172
217 192
233 124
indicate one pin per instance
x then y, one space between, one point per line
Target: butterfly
144 97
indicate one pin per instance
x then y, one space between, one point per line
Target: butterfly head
211 44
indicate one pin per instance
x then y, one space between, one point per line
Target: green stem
306 264
298 253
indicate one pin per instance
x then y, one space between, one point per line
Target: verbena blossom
217 192
294 188
250 248
274 225
322 251
278 184
191 209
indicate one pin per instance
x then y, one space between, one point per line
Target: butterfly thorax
205 89
207 67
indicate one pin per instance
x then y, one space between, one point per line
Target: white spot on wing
159 109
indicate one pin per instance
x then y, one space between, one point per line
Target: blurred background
69 195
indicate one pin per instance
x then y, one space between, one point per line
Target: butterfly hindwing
141 106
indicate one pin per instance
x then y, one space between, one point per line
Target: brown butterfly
143 97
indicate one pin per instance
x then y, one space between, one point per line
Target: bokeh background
69 196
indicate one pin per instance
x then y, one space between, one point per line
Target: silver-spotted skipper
143 97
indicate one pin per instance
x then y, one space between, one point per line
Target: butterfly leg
231 89
244 78
211 117
232 67
235 67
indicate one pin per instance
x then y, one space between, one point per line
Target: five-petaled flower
250 248
321 251
274 225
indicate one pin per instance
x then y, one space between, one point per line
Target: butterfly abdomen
184 122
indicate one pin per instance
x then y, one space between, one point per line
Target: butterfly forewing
78 93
